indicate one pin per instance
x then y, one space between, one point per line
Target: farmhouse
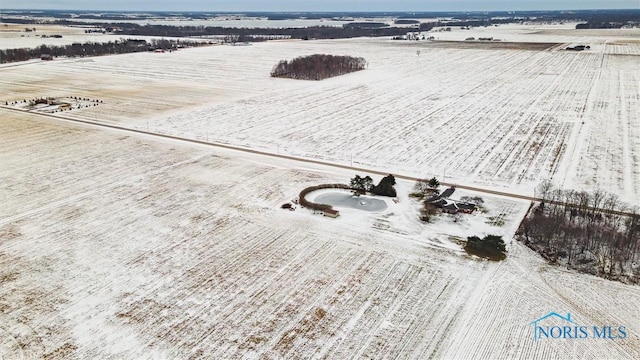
447 193
450 206
454 207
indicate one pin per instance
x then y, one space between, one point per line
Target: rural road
288 157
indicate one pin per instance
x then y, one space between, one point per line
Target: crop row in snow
119 246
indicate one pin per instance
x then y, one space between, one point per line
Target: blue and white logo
556 326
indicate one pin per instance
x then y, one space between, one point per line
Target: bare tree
591 232
544 189
318 67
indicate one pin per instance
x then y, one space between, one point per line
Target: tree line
255 34
350 30
363 185
244 34
318 67
610 19
592 232
122 46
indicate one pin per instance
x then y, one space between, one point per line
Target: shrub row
322 207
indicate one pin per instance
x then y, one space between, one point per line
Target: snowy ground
13 36
536 33
182 251
496 118
118 245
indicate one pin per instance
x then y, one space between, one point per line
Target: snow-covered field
497 118
122 246
233 21
229 22
536 33
119 245
13 36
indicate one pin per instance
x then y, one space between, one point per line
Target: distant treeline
365 25
272 15
609 20
349 30
618 17
587 18
93 49
318 67
593 232
251 34
406 22
600 25
335 15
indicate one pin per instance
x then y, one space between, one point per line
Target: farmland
501 117
183 252
13 36
121 245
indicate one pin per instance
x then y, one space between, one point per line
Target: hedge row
322 207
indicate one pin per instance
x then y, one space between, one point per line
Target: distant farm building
331 213
46 57
41 101
578 47
412 36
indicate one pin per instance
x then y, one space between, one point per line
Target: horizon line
328 11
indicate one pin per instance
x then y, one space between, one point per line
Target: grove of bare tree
592 232
318 67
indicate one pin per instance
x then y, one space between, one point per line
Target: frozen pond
350 201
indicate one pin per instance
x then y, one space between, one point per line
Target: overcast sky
319 5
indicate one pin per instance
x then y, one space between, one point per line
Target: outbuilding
331 213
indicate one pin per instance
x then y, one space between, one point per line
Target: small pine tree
434 183
494 243
356 183
491 246
361 184
367 183
385 187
